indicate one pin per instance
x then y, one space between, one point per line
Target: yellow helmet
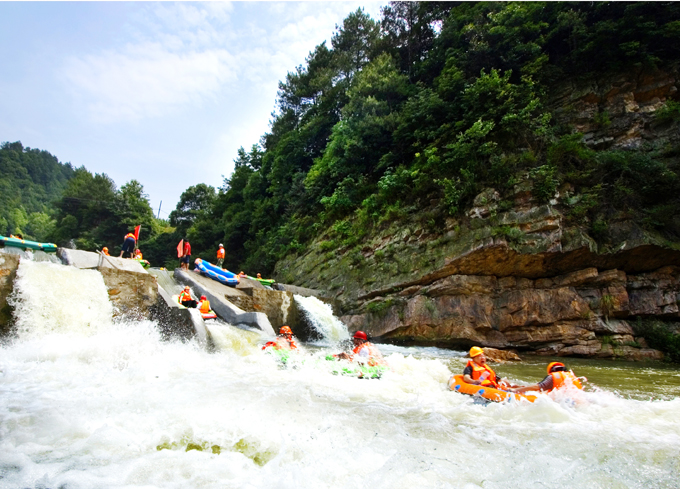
475 351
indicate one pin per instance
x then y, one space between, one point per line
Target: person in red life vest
105 250
220 256
129 245
363 352
479 373
186 255
284 340
558 377
185 298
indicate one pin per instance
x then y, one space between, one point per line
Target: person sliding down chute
204 308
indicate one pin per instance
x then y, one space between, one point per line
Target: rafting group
478 379
365 360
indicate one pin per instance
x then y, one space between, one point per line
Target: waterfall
50 298
321 318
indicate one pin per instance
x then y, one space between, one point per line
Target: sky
164 93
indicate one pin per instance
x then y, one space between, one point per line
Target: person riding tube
204 305
558 377
364 351
477 372
185 298
283 341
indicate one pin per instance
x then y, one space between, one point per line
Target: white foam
116 406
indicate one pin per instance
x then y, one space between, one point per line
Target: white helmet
221 245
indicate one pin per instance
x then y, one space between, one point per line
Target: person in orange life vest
479 373
138 254
185 298
241 274
204 305
220 255
558 377
259 276
128 245
186 256
364 351
284 340
105 250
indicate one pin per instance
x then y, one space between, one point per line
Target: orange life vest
479 370
184 296
281 343
220 253
374 356
561 379
205 306
130 235
138 256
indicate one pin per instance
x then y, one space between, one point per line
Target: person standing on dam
129 245
220 256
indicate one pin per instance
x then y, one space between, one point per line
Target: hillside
30 181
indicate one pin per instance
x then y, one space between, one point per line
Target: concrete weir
217 294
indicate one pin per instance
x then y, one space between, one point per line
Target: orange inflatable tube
457 384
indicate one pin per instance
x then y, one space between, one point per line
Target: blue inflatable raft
216 273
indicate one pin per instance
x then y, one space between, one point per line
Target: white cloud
187 53
146 80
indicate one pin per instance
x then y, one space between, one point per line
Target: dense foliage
415 113
420 111
30 180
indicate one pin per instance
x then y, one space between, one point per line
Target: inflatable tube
33 245
457 384
209 315
143 263
216 273
263 281
357 370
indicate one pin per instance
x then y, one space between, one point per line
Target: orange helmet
475 351
286 330
552 365
105 248
360 335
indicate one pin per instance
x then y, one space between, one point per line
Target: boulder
131 293
9 263
501 356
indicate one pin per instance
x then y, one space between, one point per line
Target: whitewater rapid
111 405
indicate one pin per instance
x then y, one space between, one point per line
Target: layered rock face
582 313
618 112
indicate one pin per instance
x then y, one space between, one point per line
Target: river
86 402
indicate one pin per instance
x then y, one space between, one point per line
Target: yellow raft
457 384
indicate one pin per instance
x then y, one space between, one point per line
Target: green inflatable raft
26 244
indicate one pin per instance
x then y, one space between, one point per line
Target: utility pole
159 210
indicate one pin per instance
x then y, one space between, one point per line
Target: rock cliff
513 272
